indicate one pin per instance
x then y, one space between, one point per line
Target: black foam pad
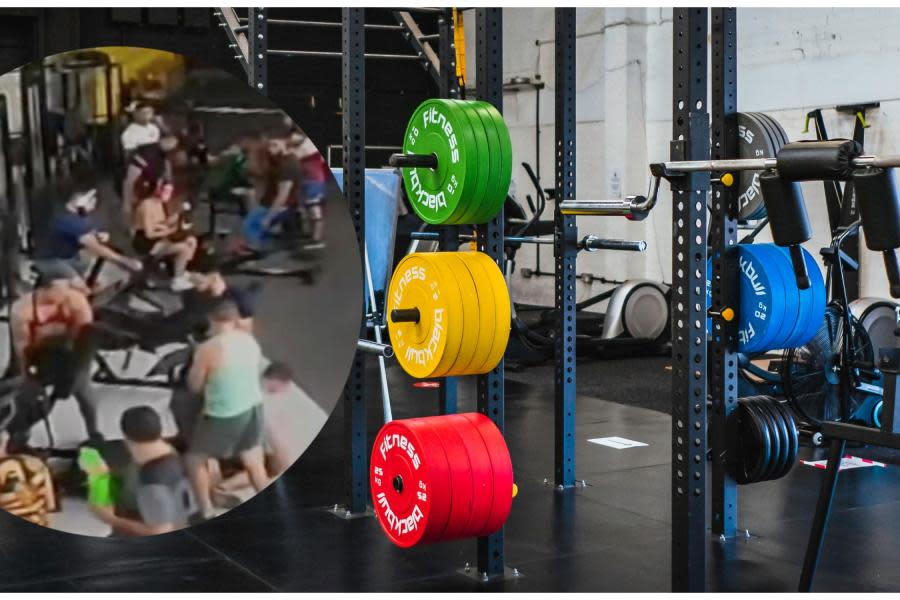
818 160
785 208
879 207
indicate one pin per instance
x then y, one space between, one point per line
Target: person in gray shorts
226 371
157 497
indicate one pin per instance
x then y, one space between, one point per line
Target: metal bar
589 243
592 243
633 207
354 134
385 351
413 33
333 54
449 84
327 24
759 164
688 303
489 63
431 37
448 396
258 34
564 252
377 348
229 21
723 235
823 511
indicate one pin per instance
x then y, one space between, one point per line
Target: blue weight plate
780 265
762 300
806 298
818 300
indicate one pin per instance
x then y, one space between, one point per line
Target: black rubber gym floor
612 535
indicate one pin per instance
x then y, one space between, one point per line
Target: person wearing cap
74 237
142 130
51 334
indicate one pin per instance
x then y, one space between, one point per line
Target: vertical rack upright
489 66
565 250
353 83
257 49
449 236
688 301
723 235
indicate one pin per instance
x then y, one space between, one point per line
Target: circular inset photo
180 292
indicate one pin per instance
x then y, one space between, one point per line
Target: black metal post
354 157
565 249
723 236
489 65
823 511
257 49
449 236
689 427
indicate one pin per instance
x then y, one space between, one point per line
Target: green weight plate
492 208
491 156
438 128
466 213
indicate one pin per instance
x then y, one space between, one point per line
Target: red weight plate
461 485
440 492
482 473
405 481
501 465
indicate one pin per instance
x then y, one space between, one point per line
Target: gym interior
594 299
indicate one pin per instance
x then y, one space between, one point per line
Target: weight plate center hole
398 484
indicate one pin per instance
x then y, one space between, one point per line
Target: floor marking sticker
617 442
848 462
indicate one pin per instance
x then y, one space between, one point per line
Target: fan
811 373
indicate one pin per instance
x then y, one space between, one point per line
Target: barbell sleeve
375 348
405 315
592 243
426 161
635 208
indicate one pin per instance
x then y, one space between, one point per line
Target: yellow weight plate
494 278
471 314
455 315
486 312
421 348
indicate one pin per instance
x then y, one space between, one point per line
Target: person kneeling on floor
159 236
157 483
226 371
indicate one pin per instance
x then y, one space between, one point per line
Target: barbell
589 243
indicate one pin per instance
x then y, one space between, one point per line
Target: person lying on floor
54 342
282 444
157 236
157 496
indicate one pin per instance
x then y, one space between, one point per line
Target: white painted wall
789 61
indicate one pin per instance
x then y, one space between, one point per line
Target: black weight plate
775 444
781 430
793 436
773 141
755 447
788 433
753 142
778 128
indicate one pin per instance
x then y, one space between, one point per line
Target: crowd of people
224 440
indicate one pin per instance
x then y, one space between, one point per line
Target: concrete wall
789 61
